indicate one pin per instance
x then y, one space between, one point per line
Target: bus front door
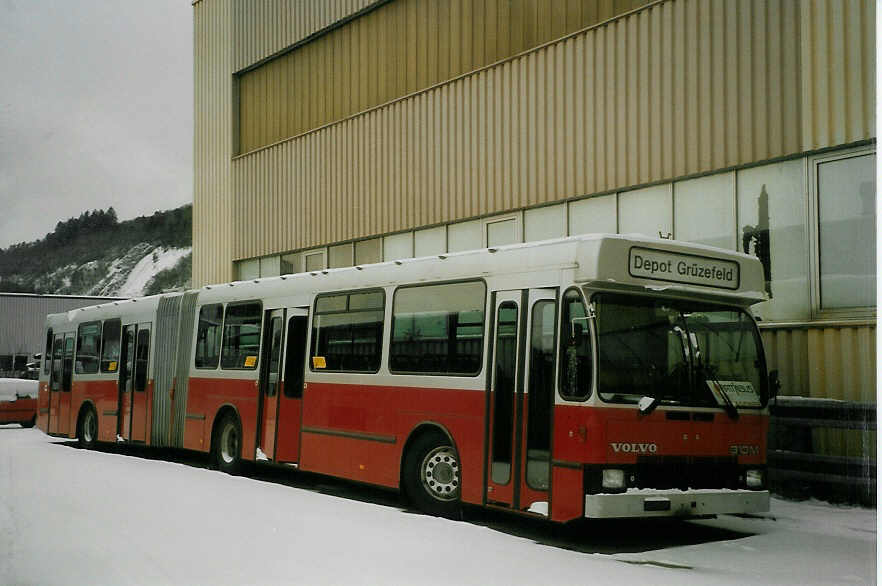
521 398
291 388
55 380
67 367
268 408
125 383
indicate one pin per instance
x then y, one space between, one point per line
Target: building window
347 332
501 231
430 241
704 210
248 269
368 251
646 211
545 223
593 215
464 236
398 246
88 347
844 210
270 266
771 226
438 329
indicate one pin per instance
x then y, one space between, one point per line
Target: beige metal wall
681 87
834 361
401 47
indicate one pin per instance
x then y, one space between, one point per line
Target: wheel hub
440 473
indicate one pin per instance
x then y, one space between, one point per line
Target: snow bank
15 388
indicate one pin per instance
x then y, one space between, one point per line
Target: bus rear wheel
431 476
87 432
227 444
29 423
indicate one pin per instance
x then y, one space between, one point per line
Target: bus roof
602 261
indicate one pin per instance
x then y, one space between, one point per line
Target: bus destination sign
683 268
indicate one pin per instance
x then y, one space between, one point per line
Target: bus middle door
67 369
268 407
126 382
291 387
521 398
55 381
142 393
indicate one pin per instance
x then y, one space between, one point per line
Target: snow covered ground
118 516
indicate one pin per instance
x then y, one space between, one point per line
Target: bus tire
87 428
30 423
227 444
431 475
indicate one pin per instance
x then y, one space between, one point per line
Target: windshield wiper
729 406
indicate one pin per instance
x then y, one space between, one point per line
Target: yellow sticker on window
250 361
112 367
319 362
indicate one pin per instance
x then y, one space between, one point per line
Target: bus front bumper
675 503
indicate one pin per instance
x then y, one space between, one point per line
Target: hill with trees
96 254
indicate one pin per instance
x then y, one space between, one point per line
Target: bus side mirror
774 384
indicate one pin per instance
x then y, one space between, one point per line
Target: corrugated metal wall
23 317
834 361
681 87
401 47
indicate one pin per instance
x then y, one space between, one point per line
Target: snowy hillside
97 255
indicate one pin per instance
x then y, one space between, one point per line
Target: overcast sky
96 110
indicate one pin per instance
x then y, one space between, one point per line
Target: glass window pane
847 232
704 210
398 246
88 348
575 348
350 340
270 266
771 214
464 236
208 335
314 261
430 241
368 251
438 329
340 256
596 214
110 350
503 232
646 211
545 223
541 394
141 360
241 336
290 263
505 370
248 269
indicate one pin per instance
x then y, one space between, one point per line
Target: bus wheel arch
226 440
87 425
431 471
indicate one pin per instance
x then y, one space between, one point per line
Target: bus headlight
754 478
613 478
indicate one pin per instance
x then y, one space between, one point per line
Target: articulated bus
597 376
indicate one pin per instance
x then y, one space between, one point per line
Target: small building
22 319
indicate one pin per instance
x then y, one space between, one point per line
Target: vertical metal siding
834 362
23 319
678 88
165 358
365 62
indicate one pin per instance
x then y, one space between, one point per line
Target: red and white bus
591 376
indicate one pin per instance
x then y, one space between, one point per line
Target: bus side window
295 355
57 355
241 336
347 331
110 348
47 354
575 348
208 336
142 355
88 348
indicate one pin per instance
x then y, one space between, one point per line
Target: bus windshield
678 352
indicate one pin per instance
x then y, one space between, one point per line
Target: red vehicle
593 376
18 401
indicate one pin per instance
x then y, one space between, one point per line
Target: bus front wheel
227 444
432 475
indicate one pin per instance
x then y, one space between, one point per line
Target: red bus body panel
205 398
43 407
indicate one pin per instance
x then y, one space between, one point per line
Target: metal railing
823 448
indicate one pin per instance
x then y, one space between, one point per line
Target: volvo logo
744 450
634 448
